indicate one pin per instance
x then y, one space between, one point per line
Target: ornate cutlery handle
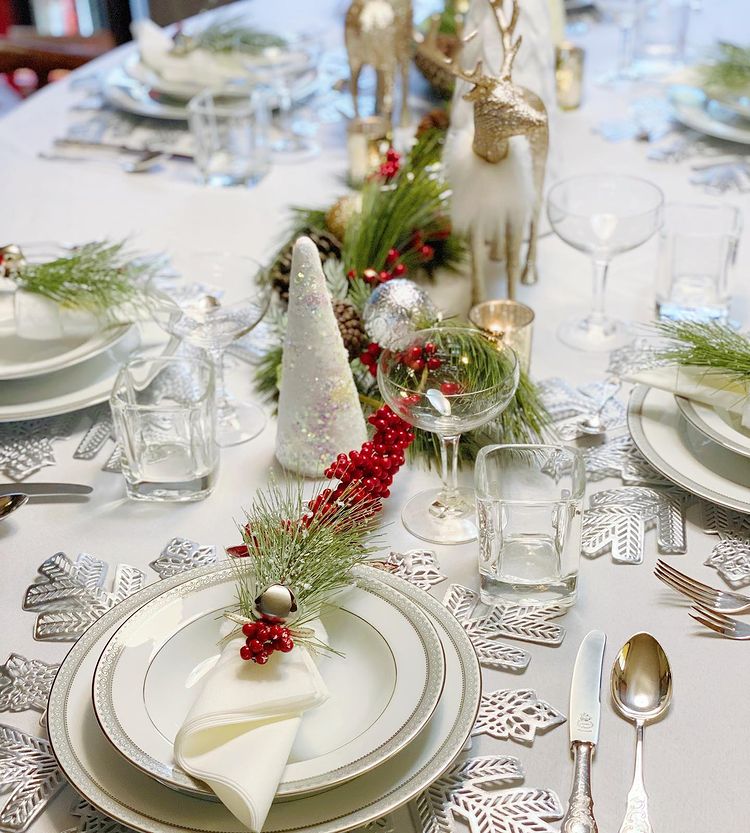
580 815
636 812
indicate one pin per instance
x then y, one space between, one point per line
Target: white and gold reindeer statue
378 33
495 164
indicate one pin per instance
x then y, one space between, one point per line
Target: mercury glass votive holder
508 321
367 142
569 75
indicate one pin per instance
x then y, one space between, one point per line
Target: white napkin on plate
239 732
701 385
198 66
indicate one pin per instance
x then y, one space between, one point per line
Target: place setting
330 497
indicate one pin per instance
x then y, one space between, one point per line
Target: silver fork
718 600
720 623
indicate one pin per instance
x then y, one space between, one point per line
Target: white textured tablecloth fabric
696 760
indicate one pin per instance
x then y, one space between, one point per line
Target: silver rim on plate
383 789
688 410
635 415
105 706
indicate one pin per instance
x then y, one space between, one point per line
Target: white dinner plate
682 454
388 683
696 110
113 786
24 358
723 427
85 384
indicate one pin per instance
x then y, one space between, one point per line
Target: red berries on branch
262 638
370 356
391 166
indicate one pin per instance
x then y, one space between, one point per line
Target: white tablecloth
697 765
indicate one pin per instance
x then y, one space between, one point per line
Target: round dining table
697 764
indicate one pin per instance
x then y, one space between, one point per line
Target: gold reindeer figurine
496 166
378 33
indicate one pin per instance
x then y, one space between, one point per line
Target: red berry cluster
419 356
372 277
370 356
426 252
264 637
370 469
391 166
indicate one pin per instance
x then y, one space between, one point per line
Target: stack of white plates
408 687
42 378
728 118
703 449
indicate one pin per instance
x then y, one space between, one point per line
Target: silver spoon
15 496
594 424
641 691
9 504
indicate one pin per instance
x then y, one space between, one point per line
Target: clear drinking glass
530 508
697 249
165 422
231 135
625 15
212 319
447 380
660 36
602 215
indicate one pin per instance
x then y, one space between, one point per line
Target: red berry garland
391 166
264 637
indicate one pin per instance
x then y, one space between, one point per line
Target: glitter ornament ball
275 603
395 311
341 212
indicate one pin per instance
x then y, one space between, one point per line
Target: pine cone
351 327
328 246
436 119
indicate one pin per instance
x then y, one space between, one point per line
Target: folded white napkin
196 67
701 385
239 732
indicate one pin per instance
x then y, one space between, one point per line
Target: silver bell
275 603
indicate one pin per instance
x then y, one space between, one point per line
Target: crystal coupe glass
212 319
602 215
448 380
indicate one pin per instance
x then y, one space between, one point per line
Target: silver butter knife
44 489
585 707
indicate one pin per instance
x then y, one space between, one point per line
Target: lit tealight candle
569 75
508 321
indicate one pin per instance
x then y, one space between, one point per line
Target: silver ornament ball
276 603
395 311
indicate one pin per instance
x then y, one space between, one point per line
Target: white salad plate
388 685
682 454
122 792
696 110
82 385
24 358
723 427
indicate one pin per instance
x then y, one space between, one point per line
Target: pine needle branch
709 345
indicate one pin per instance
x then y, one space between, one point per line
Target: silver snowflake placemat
29 775
731 556
70 595
526 623
568 405
181 554
25 683
419 567
518 715
618 520
26 447
619 457
97 435
471 791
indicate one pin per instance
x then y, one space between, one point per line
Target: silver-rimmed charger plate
388 683
696 110
123 793
682 454
719 425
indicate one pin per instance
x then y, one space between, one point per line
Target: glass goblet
602 215
625 14
213 316
448 380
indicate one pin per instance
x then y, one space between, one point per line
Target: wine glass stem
449 466
596 316
626 46
222 397
284 103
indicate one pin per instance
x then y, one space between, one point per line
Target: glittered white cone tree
319 411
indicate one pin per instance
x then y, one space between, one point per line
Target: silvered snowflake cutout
26 447
516 714
469 792
181 554
25 684
420 567
29 775
530 624
71 596
90 820
619 518
731 556
619 457
567 405
97 435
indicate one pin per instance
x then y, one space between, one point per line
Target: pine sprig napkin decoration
714 347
